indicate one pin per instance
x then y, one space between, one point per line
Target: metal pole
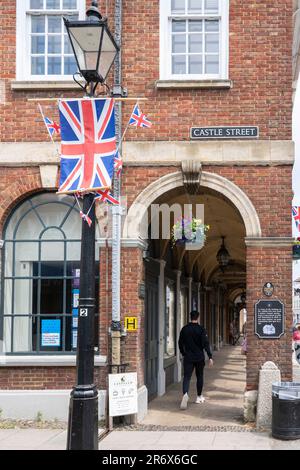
83 412
117 210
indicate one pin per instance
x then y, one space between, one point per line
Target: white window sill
46 361
44 85
215 83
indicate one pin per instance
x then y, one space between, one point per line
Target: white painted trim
46 361
44 85
173 84
23 44
133 225
165 44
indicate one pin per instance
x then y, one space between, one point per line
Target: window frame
166 43
23 43
63 316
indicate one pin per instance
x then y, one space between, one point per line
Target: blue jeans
188 368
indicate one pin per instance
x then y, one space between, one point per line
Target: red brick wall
260 68
269 265
23 378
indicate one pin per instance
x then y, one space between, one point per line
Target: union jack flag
106 196
296 216
118 164
138 119
88 144
52 126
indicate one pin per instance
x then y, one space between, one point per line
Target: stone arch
136 225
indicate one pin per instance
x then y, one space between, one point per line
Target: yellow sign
131 323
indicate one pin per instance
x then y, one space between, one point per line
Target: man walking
192 342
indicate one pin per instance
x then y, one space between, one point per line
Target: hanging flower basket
190 233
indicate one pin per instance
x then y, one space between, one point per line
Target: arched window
40 276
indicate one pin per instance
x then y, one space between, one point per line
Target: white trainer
184 402
200 399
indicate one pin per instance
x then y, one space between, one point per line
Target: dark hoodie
193 340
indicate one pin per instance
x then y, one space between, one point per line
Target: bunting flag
51 126
106 196
118 164
139 119
86 218
88 144
296 216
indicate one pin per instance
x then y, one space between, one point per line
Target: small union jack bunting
139 119
106 196
118 164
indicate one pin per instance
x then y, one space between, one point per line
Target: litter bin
286 410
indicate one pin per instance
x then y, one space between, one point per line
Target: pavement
215 425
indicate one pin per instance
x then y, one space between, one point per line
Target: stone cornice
258 152
272 242
235 152
126 243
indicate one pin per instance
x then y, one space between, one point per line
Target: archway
182 280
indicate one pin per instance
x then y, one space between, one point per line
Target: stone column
161 379
177 369
199 297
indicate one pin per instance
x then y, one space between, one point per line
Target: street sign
224 132
131 323
123 397
269 319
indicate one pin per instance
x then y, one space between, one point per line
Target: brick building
200 63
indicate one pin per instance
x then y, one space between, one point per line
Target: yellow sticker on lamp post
131 323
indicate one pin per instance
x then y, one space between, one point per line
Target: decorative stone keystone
48 176
191 171
268 374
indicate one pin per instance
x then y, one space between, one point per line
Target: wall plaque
269 319
268 289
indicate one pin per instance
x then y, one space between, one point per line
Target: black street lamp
223 257
95 50
93 45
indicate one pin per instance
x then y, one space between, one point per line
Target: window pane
53 4
178 6
195 64
178 64
179 43
211 6
54 44
195 6
195 26
195 43
70 66
211 25
38 24
178 26
54 65
67 45
212 43
54 24
212 64
36 4
38 44
37 65
69 4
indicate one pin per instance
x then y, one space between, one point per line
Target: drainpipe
117 210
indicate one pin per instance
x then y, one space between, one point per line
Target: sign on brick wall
269 319
229 132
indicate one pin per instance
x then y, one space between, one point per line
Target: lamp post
95 50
